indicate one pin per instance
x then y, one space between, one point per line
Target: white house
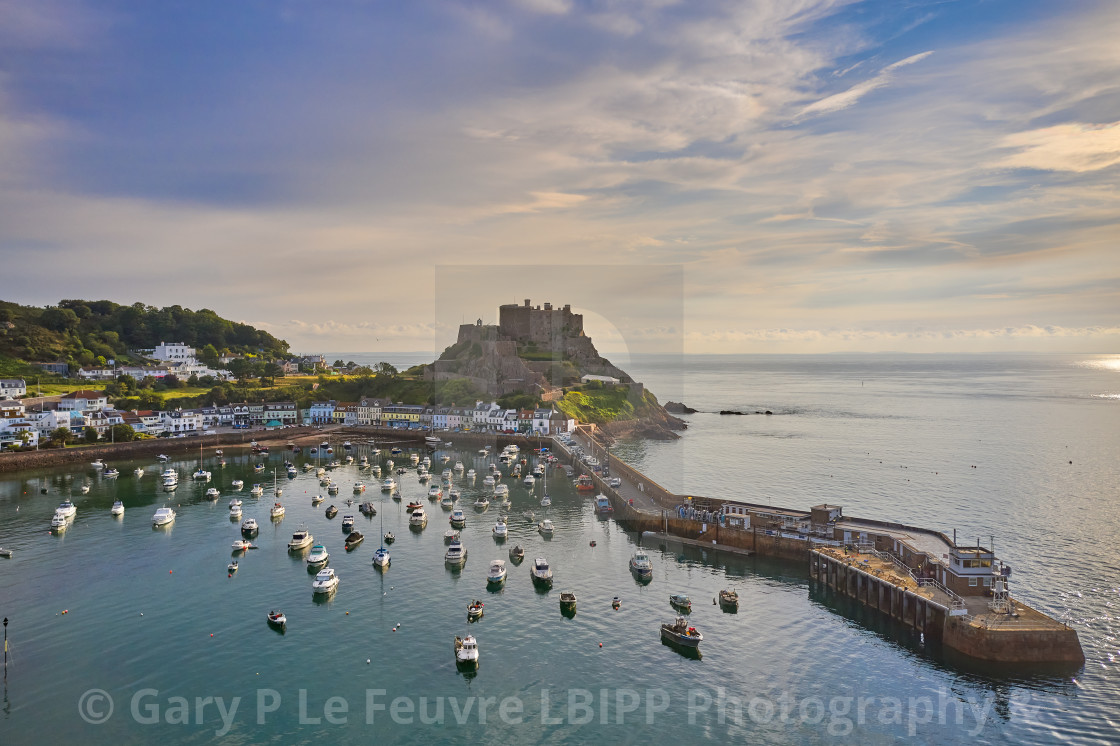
181 421
12 388
48 421
83 400
174 352
602 379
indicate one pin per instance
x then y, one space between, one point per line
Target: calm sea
1020 449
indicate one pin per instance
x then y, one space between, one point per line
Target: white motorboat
242 544
456 554
381 557
59 522
388 485
235 511
277 511
325 582
163 516
466 651
319 556
138 471
375 470
359 488
347 522
235 501
529 480
546 501
97 464
332 489
450 535
212 493
497 572
118 508
471 474
459 466
454 493
257 490
482 502
545 527
446 475
458 518
249 526
163 457
501 490
488 480
201 475
447 502
641 565
414 458
435 492
501 530
418 519
541 572
84 489
317 499
389 464
66 509
300 539
237 484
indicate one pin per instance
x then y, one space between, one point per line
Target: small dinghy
680 602
232 567
616 602
568 603
474 610
517 554
354 539
729 600
450 535
277 619
331 511
389 538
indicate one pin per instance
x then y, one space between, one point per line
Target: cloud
1073 147
847 98
549 7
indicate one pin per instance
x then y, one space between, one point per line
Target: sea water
121 633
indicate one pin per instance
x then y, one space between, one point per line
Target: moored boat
301 538
568 602
517 554
541 572
353 539
163 517
331 511
418 520
456 554
545 527
276 618
326 582
680 633
497 572
118 508
641 565
466 651
474 610
318 556
680 602
249 526
729 600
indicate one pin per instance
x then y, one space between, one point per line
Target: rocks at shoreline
675 407
735 411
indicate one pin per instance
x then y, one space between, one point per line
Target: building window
972 582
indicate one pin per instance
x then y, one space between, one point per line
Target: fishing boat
458 518
301 538
456 554
118 508
641 565
276 618
163 517
466 651
680 602
277 511
418 520
545 527
318 556
501 530
729 600
331 511
450 535
517 554
496 575
353 539
541 573
348 522
568 602
325 583
584 483
237 484
680 633
474 610
603 504
249 526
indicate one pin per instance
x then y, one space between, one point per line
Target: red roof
85 394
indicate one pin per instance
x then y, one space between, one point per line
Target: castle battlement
544 326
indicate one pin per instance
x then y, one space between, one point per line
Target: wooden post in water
5 648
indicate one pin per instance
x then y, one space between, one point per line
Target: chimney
527 303
548 306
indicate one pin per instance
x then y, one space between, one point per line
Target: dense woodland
85 333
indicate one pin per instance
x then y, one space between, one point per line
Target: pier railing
957 606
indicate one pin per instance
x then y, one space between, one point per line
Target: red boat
584 483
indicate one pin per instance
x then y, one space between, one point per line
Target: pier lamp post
5 648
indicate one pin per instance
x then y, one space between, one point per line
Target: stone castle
489 356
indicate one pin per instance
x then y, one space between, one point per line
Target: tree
59 319
60 436
338 364
385 369
91 435
122 433
209 355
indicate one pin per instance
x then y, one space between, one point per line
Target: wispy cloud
1064 147
847 98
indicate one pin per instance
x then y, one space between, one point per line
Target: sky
793 176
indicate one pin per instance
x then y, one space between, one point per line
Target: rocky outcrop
676 407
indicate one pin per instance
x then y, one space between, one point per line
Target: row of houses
482 417
81 411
